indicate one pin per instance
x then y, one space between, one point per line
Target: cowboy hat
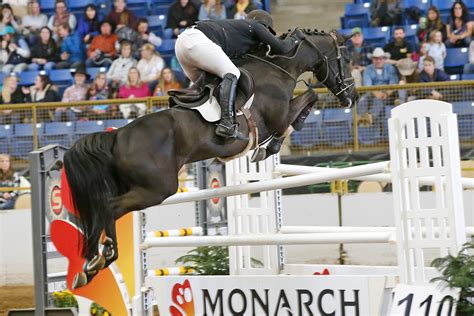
378 52
80 69
406 66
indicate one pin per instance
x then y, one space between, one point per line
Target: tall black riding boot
227 126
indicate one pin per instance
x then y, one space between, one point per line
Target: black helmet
263 17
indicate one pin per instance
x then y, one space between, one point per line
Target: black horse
136 166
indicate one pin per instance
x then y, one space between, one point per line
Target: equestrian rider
210 45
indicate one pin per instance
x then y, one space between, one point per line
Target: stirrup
230 132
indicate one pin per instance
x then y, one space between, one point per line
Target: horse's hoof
97 263
109 253
259 154
80 280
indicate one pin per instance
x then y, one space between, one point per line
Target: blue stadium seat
465 113
27 78
455 60
57 133
78 6
337 127
180 76
157 24
116 123
22 139
87 127
310 135
61 77
368 135
356 15
353 9
468 77
454 77
139 11
48 6
6 132
160 9
377 36
94 71
167 46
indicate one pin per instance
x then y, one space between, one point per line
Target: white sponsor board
270 295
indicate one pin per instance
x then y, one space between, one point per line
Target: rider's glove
297 36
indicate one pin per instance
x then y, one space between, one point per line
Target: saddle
206 89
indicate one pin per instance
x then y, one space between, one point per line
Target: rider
210 45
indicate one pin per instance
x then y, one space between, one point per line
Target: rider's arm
278 46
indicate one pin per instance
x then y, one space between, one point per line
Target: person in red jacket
102 51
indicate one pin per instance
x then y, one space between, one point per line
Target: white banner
269 295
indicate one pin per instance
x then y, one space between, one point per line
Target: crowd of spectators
118 42
400 61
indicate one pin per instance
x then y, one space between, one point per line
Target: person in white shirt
437 49
118 71
34 22
150 65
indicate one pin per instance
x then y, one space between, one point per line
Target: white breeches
197 53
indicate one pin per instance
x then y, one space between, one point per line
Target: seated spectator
89 24
145 35
45 52
118 71
167 82
459 29
431 74
212 10
120 16
76 92
12 94
14 51
99 90
181 14
469 68
134 88
385 12
432 22
399 48
358 51
101 51
422 54
61 17
72 50
371 105
8 18
240 9
150 66
8 179
407 70
437 49
34 22
44 91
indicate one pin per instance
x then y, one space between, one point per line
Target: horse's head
332 68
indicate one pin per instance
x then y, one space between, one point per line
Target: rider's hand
298 35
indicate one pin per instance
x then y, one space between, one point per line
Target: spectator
241 8
358 51
386 12
99 90
371 105
120 16
72 50
44 53
431 74
437 49
423 54
167 82
89 24
181 15
407 70
44 91
61 17
469 68
76 92
8 179
150 66
14 51
145 35
212 10
134 88
8 18
432 22
34 22
101 52
12 94
399 48
118 71
459 30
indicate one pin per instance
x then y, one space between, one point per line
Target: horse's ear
346 38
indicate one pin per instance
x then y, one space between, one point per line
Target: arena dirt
12 297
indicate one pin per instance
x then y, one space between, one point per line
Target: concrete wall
368 209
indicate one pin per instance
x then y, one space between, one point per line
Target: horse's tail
89 172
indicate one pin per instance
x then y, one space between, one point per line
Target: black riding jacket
238 37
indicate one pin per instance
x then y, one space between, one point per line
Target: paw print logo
182 297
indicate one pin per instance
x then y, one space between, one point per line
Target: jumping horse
134 167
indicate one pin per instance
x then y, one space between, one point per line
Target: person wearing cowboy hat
76 92
407 70
371 105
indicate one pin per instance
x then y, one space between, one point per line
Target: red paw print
182 296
